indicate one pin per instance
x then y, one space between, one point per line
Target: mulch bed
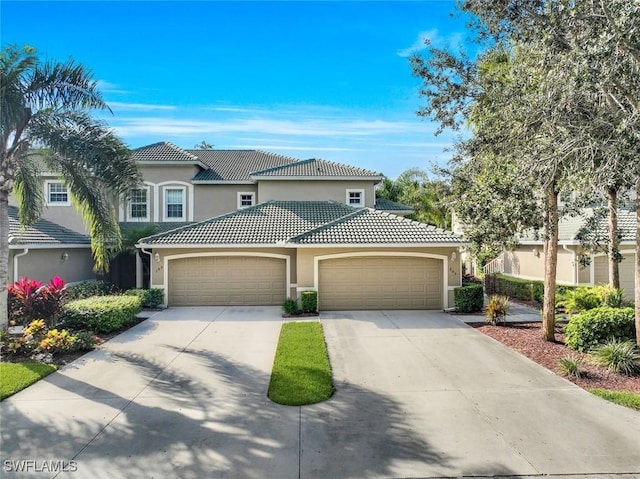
526 338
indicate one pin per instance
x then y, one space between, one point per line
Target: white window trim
246 193
56 203
362 203
147 188
183 189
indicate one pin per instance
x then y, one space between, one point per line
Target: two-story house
252 227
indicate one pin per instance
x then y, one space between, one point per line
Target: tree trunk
637 282
550 265
4 258
614 265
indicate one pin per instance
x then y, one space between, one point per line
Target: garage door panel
227 280
380 283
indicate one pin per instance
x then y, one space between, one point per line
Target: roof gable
163 152
42 232
316 169
303 222
235 165
376 227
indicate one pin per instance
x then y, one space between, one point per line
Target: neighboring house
252 227
527 259
47 249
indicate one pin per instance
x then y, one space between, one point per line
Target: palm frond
27 190
90 145
66 86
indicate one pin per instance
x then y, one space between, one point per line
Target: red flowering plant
28 300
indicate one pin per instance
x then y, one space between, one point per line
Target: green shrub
580 299
150 298
621 357
101 314
290 307
468 299
57 341
309 301
570 366
88 289
85 341
588 329
497 309
518 288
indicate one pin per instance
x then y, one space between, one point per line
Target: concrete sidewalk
518 313
419 394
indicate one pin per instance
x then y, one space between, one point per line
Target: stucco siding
307 190
528 262
44 264
216 200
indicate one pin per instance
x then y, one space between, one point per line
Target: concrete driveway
419 394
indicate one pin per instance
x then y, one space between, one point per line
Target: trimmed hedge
88 289
518 288
101 314
150 298
596 326
309 301
468 299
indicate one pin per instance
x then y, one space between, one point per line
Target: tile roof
384 204
315 168
376 227
267 223
163 152
304 222
236 165
569 227
43 232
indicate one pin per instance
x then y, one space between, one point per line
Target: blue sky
305 79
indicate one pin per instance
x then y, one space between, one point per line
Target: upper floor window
355 197
246 199
139 204
174 204
57 193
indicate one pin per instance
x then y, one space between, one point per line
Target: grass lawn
301 370
624 398
15 377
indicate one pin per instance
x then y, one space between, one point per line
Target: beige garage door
627 273
374 282
226 280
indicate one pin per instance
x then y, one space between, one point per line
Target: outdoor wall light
536 252
157 257
64 257
454 255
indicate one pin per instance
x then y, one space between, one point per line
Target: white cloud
108 87
300 127
139 106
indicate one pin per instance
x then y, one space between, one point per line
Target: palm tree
46 105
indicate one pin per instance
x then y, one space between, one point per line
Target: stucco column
139 271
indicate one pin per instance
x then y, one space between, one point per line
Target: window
174 203
355 197
57 194
139 204
246 199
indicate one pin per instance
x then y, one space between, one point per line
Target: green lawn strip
15 377
623 398
301 370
